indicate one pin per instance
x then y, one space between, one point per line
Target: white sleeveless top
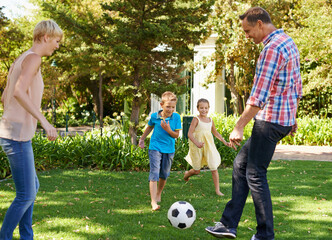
16 123
208 155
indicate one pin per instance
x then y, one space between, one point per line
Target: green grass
85 204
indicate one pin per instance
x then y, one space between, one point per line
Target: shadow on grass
83 204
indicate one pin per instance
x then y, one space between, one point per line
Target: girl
21 100
202 150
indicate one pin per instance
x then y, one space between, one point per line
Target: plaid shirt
277 82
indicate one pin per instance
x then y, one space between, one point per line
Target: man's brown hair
254 14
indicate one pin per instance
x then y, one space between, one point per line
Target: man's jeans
21 160
249 172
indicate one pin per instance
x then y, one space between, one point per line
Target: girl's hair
202 100
48 27
168 97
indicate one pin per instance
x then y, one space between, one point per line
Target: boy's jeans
21 160
249 172
160 165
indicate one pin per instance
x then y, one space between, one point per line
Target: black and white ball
181 215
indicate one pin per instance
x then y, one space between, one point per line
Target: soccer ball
181 214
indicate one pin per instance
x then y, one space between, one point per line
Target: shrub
4 165
113 151
312 132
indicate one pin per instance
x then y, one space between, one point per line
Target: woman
21 100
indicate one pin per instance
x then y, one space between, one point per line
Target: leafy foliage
313 131
13 41
234 53
85 61
151 40
314 45
309 28
71 113
114 151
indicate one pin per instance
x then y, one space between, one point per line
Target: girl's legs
215 177
21 161
191 172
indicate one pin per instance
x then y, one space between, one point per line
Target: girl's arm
145 134
191 130
218 135
30 68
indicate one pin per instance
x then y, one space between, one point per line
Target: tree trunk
94 90
135 107
101 104
134 120
238 105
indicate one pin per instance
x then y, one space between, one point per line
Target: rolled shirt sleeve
267 69
277 83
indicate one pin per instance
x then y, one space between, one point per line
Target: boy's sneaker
220 231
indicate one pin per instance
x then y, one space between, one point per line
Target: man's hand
294 129
236 137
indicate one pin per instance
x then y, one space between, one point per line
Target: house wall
215 93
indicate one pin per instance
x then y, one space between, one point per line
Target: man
273 103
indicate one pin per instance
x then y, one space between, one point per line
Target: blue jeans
249 172
21 160
160 165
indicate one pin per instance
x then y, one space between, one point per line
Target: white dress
208 155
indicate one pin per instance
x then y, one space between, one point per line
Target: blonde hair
168 97
46 27
202 100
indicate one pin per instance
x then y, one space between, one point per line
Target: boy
166 124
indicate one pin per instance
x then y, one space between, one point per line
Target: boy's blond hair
168 97
46 27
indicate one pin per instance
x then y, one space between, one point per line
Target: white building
215 93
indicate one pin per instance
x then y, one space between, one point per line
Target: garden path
296 152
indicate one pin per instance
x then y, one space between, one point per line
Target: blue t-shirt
160 139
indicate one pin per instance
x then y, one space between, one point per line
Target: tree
237 54
13 41
312 34
3 23
151 39
85 58
234 52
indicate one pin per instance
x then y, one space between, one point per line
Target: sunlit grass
85 204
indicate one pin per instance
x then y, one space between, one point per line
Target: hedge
113 151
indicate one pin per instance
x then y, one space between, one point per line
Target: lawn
85 204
